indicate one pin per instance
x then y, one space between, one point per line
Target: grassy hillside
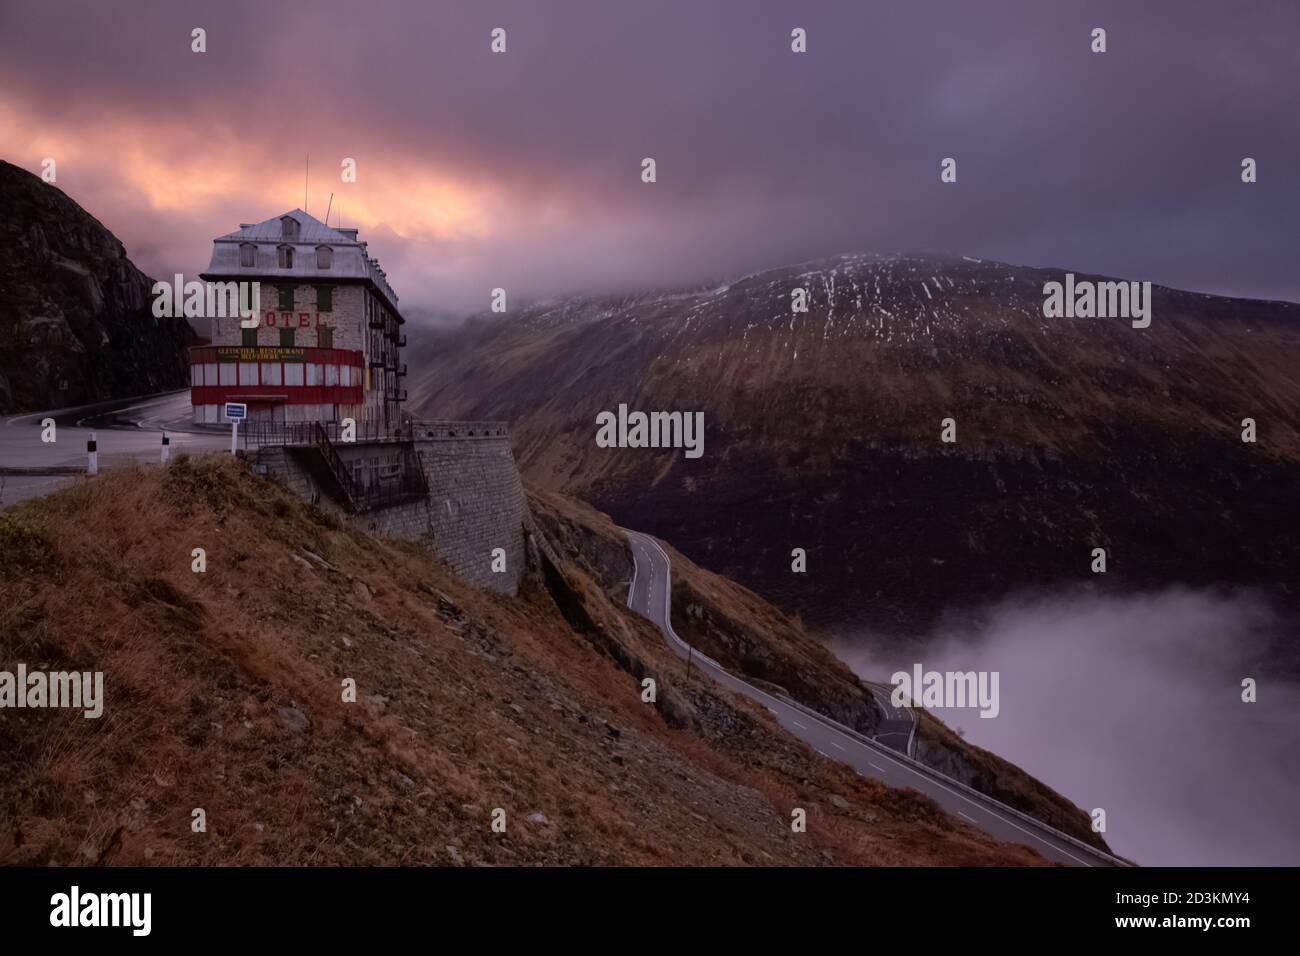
747 635
223 692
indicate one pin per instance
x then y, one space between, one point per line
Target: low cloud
1133 704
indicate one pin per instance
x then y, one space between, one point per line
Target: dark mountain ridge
823 431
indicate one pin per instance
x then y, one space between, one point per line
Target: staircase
337 467
410 484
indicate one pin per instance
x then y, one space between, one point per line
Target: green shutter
248 338
324 298
286 338
286 298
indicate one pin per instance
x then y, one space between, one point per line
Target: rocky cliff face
76 321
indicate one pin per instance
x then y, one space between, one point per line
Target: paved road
897 725
650 595
130 429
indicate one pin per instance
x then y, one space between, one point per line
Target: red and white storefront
279 384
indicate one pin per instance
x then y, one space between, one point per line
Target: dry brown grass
749 636
223 692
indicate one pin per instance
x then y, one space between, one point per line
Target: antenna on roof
328 208
305 177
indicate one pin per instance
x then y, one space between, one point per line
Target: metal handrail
304 433
336 465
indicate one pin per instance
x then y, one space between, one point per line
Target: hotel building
328 341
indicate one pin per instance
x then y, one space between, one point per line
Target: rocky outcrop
76 322
940 748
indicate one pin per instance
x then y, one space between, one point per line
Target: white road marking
834 744
878 767
967 816
799 725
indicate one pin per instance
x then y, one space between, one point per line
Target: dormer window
285 254
288 227
247 255
324 257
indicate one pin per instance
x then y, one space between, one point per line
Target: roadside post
92 452
166 447
236 412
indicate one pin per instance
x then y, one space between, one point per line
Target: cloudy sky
522 170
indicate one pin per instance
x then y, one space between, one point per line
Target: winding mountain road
650 595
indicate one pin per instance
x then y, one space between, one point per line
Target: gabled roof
310 229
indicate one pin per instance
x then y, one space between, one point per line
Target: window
247 373
289 227
210 373
324 298
315 374
285 254
270 373
227 370
286 298
248 338
293 373
286 338
247 255
345 374
196 374
331 374
324 257
325 337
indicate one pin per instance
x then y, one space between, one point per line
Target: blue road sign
236 411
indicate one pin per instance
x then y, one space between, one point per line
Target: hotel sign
268 353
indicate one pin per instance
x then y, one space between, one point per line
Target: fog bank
1133 704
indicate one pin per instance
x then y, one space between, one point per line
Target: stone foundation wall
476 500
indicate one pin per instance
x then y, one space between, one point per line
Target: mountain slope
223 692
823 431
749 637
76 322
